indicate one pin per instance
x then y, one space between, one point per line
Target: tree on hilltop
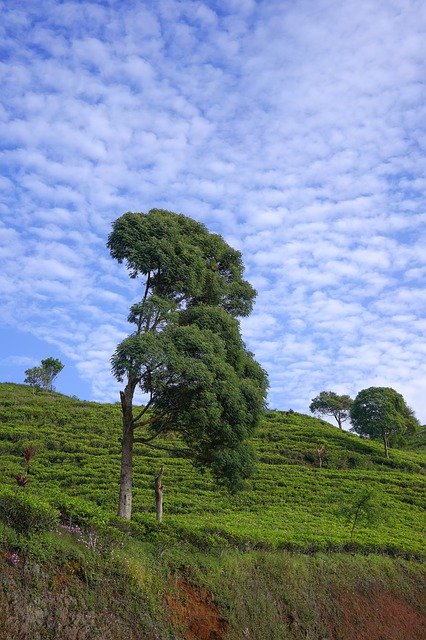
382 413
42 377
185 351
328 403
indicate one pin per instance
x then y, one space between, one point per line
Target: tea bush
27 513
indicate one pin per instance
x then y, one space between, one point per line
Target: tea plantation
291 503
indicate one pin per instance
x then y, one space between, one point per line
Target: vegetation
290 503
42 377
186 351
365 505
89 574
328 403
381 412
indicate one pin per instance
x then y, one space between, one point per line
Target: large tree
381 412
328 403
186 351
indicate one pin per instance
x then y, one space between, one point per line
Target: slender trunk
386 444
320 453
125 497
159 495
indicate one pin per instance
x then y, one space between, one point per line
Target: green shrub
27 513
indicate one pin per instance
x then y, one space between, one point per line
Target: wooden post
159 495
320 453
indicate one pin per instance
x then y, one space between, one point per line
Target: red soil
194 613
381 616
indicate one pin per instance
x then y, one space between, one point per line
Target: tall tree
381 412
186 351
328 403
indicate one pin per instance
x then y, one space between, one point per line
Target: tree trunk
125 497
320 453
159 495
385 442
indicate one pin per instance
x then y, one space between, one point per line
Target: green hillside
276 561
291 503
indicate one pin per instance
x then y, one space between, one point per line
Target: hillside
290 503
211 542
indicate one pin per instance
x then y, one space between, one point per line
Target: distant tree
365 506
328 403
42 377
33 377
186 351
382 413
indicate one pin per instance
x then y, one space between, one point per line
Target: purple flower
14 559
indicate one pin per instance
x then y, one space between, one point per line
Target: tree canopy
181 260
381 412
42 377
328 403
186 352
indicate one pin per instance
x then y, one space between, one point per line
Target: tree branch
144 410
147 285
155 418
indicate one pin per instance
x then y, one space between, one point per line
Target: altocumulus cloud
295 129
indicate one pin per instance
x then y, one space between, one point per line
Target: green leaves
42 377
182 260
27 513
328 403
186 351
380 412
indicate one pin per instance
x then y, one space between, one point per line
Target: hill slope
290 503
220 567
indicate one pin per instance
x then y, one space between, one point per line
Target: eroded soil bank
257 598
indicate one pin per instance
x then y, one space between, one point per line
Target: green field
291 503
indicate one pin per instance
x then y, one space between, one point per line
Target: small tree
42 377
381 412
328 403
365 506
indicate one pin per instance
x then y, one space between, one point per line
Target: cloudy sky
295 128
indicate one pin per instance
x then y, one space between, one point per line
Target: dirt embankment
39 605
380 616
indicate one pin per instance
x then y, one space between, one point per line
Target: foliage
289 503
186 351
364 506
381 412
328 403
42 377
27 513
181 260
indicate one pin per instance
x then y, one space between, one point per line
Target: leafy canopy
182 260
42 377
381 412
328 403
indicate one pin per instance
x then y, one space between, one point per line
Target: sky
294 128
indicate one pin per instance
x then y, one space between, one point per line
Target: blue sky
296 129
